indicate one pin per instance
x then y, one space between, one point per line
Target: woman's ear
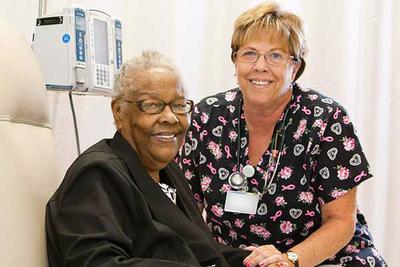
117 113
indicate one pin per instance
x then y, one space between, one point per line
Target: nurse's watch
292 257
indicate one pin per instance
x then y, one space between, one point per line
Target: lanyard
238 180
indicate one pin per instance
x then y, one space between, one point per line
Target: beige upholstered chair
28 172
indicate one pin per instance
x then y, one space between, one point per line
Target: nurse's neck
259 116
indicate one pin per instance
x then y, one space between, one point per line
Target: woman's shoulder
97 167
99 159
100 153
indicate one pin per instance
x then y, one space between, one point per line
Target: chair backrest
28 171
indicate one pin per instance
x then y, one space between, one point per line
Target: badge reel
238 180
241 201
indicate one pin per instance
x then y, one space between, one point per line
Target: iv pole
42 8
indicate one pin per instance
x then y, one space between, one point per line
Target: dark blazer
109 212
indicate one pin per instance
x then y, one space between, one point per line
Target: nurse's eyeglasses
273 58
156 106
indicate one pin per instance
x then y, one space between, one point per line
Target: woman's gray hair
126 81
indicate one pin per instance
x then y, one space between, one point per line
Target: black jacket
109 212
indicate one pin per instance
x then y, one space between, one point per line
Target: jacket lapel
185 199
162 207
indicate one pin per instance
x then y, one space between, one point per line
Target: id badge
241 202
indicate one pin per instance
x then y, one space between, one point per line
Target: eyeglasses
156 106
273 58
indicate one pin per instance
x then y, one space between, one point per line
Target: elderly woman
275 165
122 202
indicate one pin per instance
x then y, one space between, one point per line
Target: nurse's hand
266 255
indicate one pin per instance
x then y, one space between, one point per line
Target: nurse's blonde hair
269 18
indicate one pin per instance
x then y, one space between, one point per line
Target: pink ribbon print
277 215
228 152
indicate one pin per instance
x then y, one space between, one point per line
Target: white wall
354 57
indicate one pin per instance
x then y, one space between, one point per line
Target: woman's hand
266 255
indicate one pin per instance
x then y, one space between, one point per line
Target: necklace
238 179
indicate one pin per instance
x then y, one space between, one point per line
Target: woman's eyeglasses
156 106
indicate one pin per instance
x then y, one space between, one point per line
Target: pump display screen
100 42
80 23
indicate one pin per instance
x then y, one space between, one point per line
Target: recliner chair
28 171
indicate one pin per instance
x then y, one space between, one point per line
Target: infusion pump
78 49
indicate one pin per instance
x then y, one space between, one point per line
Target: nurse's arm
336 231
